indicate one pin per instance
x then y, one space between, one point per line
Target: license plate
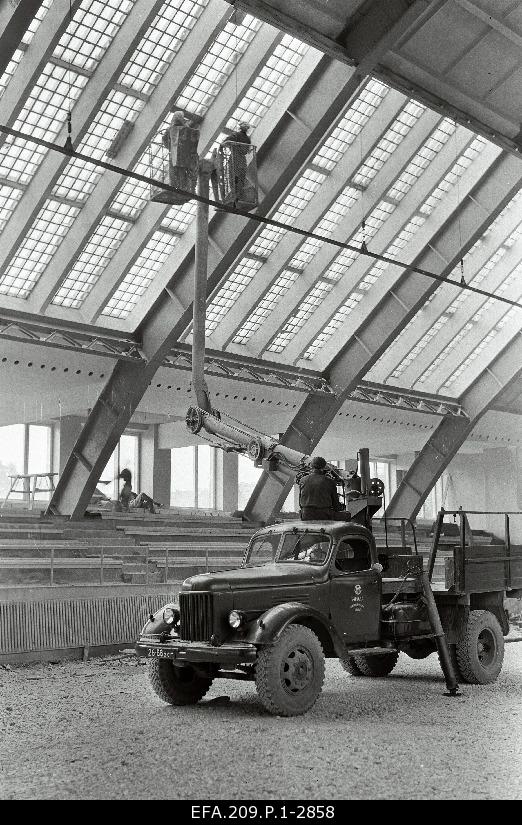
158 653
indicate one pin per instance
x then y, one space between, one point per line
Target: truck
307 591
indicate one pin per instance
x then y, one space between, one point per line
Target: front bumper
232 653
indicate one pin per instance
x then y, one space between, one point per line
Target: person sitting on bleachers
130 500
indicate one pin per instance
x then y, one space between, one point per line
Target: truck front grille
195 616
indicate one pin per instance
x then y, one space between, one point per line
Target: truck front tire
177 685
290 673
480 650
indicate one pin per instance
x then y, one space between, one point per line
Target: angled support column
15 19
382 324
494 381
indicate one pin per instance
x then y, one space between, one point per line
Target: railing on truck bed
478 567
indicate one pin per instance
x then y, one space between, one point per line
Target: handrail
403 520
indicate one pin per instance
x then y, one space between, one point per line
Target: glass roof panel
9 197
161 42
39 245
450 179
329 154
141 274
79 178
91 31
93 258
216 66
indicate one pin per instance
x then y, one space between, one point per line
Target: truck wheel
290 673
377 664
349 664
177 685
480 650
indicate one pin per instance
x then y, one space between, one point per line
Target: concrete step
192 536
133 552
201 549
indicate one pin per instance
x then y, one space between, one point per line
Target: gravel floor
95 730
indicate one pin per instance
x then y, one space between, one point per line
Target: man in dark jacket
318 497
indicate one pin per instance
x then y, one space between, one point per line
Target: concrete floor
95 730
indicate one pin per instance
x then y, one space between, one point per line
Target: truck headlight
170 615
236 619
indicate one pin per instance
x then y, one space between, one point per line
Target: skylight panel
228 294
141 274
448 348
469 360
299 318
91 31
79 178
9 197
161 42
38 247
351 124
93 258
216 66
419 347
391 139
265 306
334 324
422 159
267 85
43 116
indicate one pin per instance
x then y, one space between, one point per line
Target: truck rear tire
290 673
377 664
480 650
177 685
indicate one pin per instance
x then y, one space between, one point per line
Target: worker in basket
239 153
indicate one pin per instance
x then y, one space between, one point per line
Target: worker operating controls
267 812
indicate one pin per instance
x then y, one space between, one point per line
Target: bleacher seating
118 547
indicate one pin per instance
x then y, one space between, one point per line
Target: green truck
307 591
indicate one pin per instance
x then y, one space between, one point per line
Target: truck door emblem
358 589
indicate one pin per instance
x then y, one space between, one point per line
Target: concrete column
226 481
154 467
66 437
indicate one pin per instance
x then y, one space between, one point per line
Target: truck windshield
310 548
262 550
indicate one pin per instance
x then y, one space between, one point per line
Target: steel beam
485 392
15 19
383 323
34 59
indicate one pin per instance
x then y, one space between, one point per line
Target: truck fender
155 624
266 629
